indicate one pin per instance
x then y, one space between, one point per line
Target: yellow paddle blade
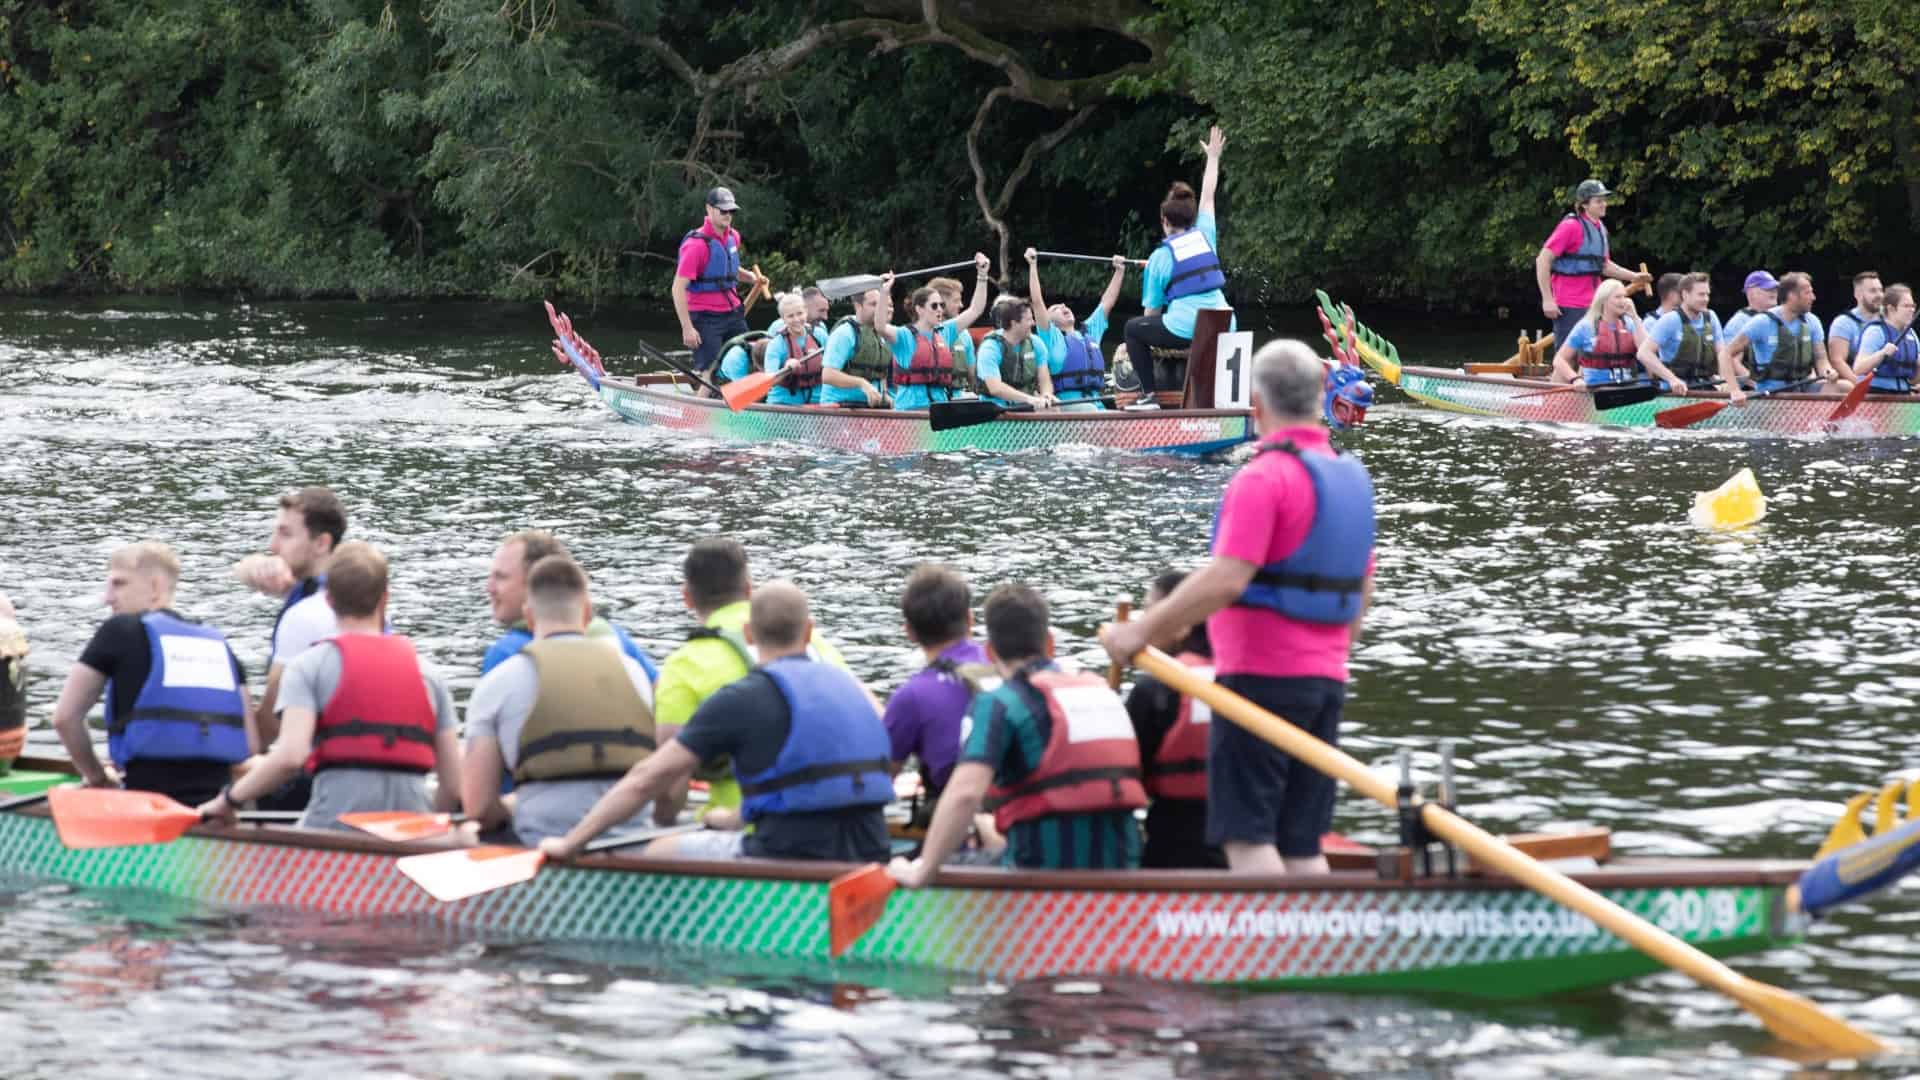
1802 1023
455 875
1847 831
1733 505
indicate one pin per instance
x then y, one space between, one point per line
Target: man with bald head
1283 596
806 743
178 718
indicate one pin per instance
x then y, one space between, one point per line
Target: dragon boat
666 400
1372 925
1519 389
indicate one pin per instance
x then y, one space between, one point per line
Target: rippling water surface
1541 598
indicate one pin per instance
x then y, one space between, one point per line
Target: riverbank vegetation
557 147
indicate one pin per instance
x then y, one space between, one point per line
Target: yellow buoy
1733 505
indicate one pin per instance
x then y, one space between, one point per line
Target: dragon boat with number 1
1370 925
664 401
1519 390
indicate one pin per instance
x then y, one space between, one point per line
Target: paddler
861 351
1010 366
1575 258
816 307
737 356
807 748
924 716
13 685
310 524
178 718
1666 295
1843 337
706 283
1787 346
566 716
959 319
1183 274
716 586
1050 753
358 712
1889 349
1603 347
1078 371
507 598
1283 596
1173 731
1683 346
926 374
1762 291
799 344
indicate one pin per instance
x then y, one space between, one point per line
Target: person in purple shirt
923 717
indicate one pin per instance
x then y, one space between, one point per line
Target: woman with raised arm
1183 275
1073 347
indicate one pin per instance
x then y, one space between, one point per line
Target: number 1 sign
1233 371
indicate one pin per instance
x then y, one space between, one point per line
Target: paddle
840 288
753 388
402 825
947 415
22 802
1849 403
659 357
1688 415
1106 260
110 817
760 288
1123 610
455 875
855 901
1787 1015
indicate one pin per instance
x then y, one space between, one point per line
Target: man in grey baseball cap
705 284
1575 258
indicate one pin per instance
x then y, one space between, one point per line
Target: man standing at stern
705 282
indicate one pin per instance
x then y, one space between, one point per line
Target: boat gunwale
652 385
1461 375
1626 873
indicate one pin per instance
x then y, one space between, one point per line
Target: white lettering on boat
1201 427
1472 922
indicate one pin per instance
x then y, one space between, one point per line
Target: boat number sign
1233 371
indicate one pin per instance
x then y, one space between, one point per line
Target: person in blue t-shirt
1889 350
1682 347
1843 335
736 358
1762 291
796 343
817 308
954 329
1073 350
1183 275
859 355
1603 347
925 365
1787 346
1012 364
507 593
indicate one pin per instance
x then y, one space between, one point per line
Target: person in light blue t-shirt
1762 291
1843 334
1012 364
797 344
817 307
925 365
1073 350
860 351
1787 344
736 357
1889 351
1682 347
1183 275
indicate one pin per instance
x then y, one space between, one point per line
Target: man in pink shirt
1574 259
1283 596
705 293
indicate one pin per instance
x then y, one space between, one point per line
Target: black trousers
1144 333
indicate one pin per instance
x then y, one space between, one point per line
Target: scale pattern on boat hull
909 433
1495 943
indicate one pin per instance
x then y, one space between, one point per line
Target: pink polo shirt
694 253
1571 293
1264 516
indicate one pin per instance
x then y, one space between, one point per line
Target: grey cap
722 199
1591 189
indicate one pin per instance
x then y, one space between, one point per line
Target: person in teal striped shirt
1008 744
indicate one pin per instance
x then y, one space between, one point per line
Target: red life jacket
932 363
1613 348
379 717
805 378
1179 767
1092 760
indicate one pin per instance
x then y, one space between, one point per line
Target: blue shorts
1255 793
716 329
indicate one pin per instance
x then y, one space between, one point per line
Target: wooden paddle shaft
1495 854
1122 611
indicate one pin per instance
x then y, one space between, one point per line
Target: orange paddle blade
399 825
1332 842
855 901
455 875
1851 402
105 817
741 393
1686 415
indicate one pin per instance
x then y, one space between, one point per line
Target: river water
1541 598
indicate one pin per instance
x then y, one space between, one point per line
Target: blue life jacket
1322 581
1590 257
300 592
1084 371
1196 266
1898 371
836 754
723 263
190 708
